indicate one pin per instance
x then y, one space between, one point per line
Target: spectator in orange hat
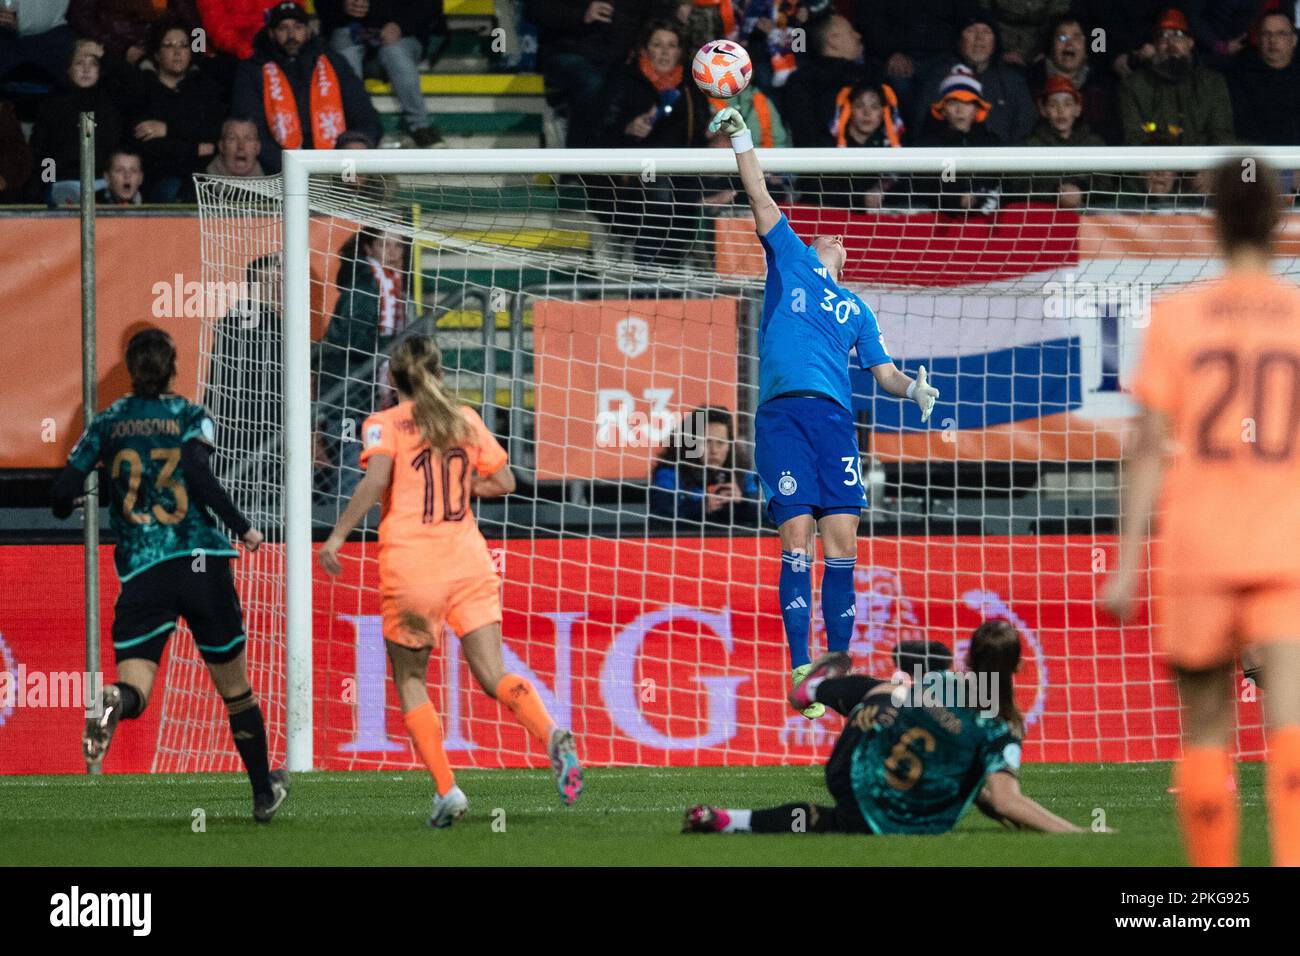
1173 96
1010 107
1061 123
957 119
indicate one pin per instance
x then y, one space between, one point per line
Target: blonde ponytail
416 367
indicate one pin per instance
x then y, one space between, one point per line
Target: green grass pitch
626 816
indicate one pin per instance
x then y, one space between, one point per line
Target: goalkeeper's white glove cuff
911 390
742 142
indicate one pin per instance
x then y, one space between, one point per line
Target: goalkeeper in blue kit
806 445
910 760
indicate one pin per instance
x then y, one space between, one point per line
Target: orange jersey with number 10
1222 362
428 529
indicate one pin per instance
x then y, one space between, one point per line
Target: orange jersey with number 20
1222 362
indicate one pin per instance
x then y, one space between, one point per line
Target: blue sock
796 604
839 602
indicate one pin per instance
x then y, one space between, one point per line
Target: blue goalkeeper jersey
919 766
810 324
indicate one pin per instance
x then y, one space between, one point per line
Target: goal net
601 311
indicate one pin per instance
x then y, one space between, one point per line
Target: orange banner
148 272
614 379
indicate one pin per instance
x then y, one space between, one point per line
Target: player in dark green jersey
911 758
171 558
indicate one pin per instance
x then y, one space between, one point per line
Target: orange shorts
413 615
1207 623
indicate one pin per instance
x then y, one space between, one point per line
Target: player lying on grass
424 458
902 764
1225 566
806 444
170 557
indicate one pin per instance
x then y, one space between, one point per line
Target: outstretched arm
761 203
1002 800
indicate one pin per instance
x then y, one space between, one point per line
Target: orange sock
1207 806
1284 794
521 697
426 732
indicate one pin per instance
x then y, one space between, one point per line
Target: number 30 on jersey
842 309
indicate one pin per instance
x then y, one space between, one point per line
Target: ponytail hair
415 365
995 650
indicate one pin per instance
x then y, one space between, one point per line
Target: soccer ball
721 68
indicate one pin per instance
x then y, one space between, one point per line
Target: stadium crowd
184 86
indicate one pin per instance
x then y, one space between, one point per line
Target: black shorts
146 610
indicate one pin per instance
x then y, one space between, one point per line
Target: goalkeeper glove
729 121
923 393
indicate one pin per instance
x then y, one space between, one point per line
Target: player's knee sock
249 731
426 733
796 604
839 602
792 818
1207 806
132 701
520 696
1284 795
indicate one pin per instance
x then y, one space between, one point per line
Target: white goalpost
587 302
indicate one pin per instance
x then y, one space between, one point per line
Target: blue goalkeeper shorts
806 452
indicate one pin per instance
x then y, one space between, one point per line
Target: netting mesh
587 318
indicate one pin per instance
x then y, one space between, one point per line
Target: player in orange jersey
1217 444
424 458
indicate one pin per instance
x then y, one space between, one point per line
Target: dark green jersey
150 508
920 765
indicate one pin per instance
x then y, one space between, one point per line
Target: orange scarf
663 82
327 120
